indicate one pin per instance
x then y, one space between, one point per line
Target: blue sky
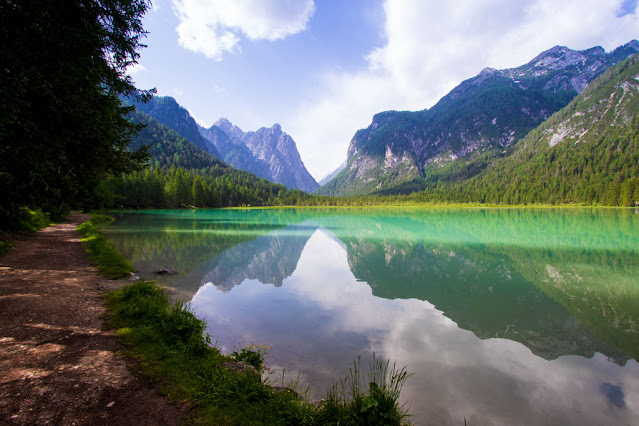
322 68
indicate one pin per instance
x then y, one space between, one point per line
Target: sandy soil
57 363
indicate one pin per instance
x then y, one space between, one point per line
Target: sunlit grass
109 262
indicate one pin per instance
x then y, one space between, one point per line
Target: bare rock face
268 152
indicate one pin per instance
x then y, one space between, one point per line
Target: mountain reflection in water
507 317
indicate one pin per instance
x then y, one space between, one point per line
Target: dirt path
57 364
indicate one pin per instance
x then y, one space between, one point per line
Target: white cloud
432 46
213 27
136 69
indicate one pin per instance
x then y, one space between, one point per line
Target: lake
504 316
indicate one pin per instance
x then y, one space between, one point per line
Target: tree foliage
62 125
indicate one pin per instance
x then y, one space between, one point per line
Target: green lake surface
504 316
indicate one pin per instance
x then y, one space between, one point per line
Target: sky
323 68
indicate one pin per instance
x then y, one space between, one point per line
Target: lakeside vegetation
170 345
110 264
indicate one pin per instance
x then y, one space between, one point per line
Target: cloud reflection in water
322 317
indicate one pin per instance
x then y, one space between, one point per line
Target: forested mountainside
181 174
586 153
475 123
167 111
267 152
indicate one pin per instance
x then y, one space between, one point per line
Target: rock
165 272
317 402
239 367
284 389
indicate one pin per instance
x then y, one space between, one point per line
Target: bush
253 355
32 220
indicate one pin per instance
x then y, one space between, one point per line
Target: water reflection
334 317
505 316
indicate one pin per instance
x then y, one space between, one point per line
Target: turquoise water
505 316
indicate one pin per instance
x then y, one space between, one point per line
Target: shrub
32 220
252 354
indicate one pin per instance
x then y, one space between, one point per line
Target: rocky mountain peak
167 111
485 113
634 44
559 57
488 71
223 122
596 51
268 152
229 128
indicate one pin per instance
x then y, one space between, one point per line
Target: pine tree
62 128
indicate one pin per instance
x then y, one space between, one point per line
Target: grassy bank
171 346
101 254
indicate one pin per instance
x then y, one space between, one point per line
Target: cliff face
487 113
267 152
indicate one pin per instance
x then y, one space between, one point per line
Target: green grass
109 262
171 346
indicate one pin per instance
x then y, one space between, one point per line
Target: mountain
167 111
169 148
329 177
184 175
471 125
268 152
226 138
586 153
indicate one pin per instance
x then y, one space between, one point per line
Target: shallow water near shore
504 316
